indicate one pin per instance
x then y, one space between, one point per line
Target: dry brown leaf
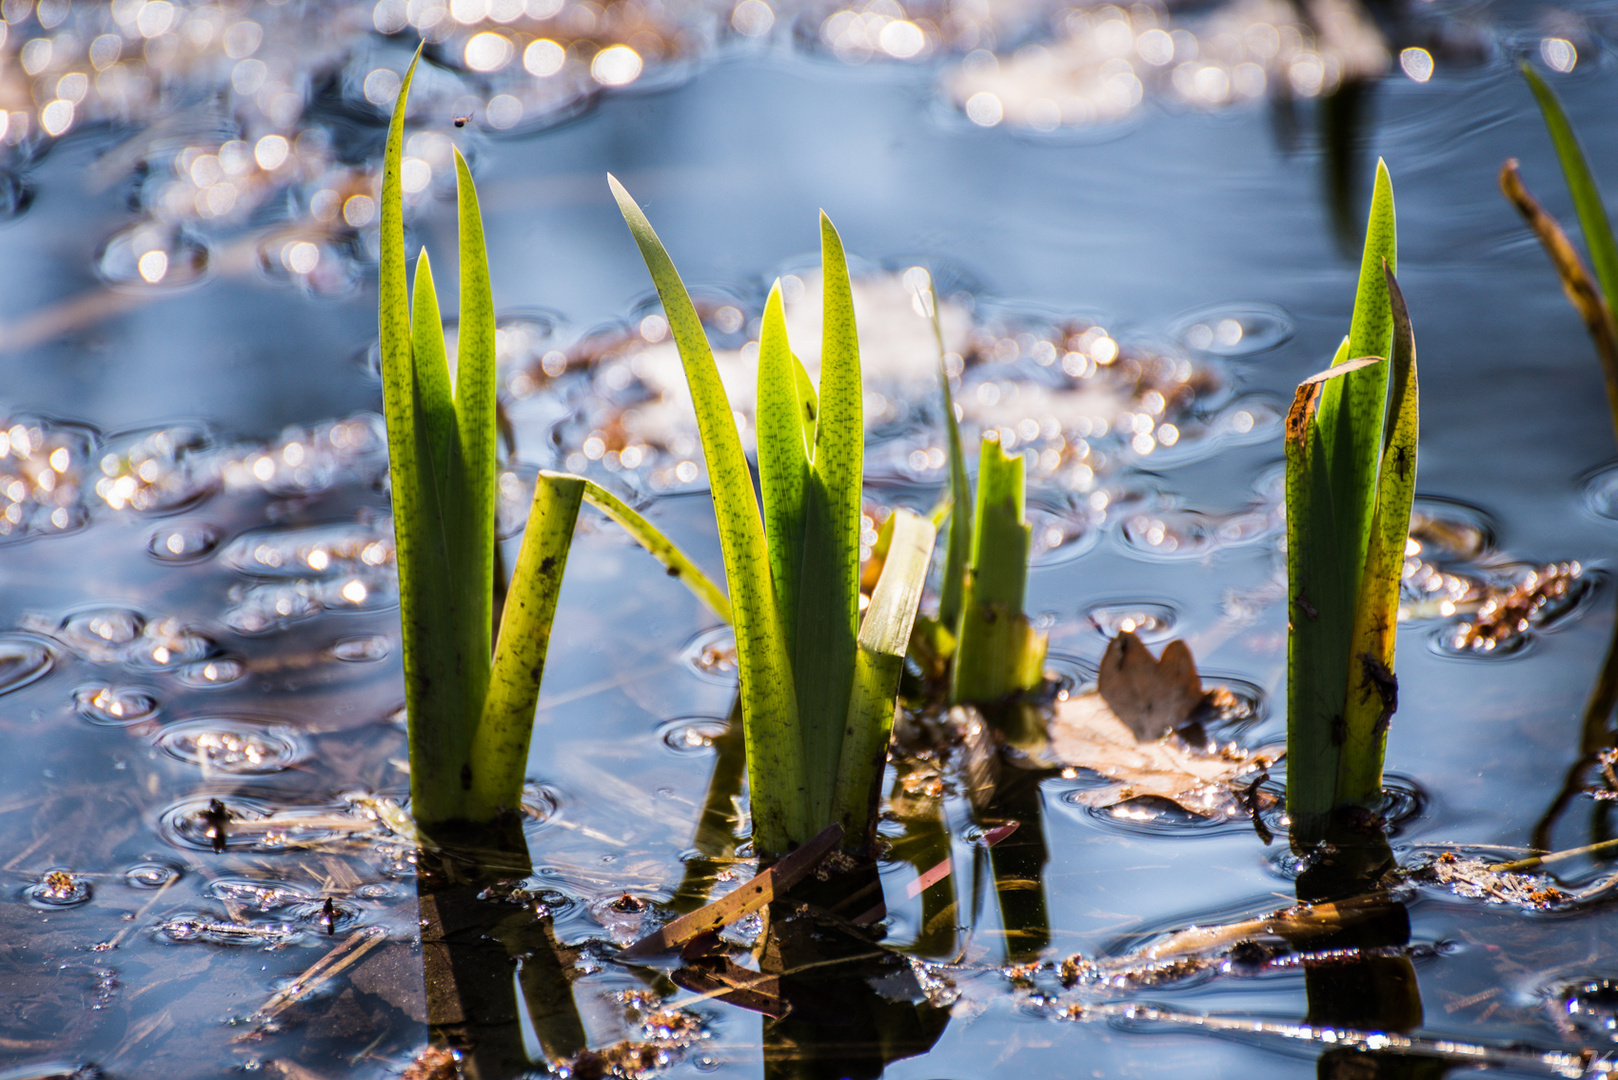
1086 732
1151 696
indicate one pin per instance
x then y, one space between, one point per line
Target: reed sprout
818 682
1350 479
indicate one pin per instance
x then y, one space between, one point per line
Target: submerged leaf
1087 733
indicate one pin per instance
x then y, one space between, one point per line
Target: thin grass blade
958 540
783 459
775 762
434 398
475 468
500 747
1581 184
1581 291
1373 689
824 650
660 547
884 639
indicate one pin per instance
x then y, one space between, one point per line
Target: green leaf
958 541
828 603
775 762
1321 592
440 736
475 464
1352 409
660 547
1581 185
998 653
435 400
884 638
784 439
1372 690
500 748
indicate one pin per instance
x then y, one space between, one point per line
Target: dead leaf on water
1151 696
1088 732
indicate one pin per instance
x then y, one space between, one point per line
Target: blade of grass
475 465
1581 185
1581 292
884 639
958 542
434 397
500 747
783 460
1372 689
775 762
1320 599
440 737
660 547
823 657
997 653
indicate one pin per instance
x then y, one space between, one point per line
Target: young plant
471 713
817 683
1350 479
982 636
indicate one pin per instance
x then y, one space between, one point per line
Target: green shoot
1350 478
817 686
998 653
470 701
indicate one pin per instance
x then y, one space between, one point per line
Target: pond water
1138 263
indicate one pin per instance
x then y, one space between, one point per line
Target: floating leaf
1151 696
1088 733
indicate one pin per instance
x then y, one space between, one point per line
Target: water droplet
712 656
22 660
232 746
217 672
1237 330
359 649
58 888
151 875
692 734
183 543
113 704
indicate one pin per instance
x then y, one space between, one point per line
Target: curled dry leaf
1087 731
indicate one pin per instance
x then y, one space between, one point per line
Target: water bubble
158 472
1061 531
1148 620
22 660
216 672
167 644
1600 492
712 656
692 734
58 888
183 543
1237 330
303 552
360 649
151 875
239 747
149 256
114 705
102 634
1588 1007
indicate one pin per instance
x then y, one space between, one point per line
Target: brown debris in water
434 1063
1175 765
1479 879
1502 617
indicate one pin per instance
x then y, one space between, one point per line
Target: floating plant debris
1506 614
1475 877
1086 732
58 889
